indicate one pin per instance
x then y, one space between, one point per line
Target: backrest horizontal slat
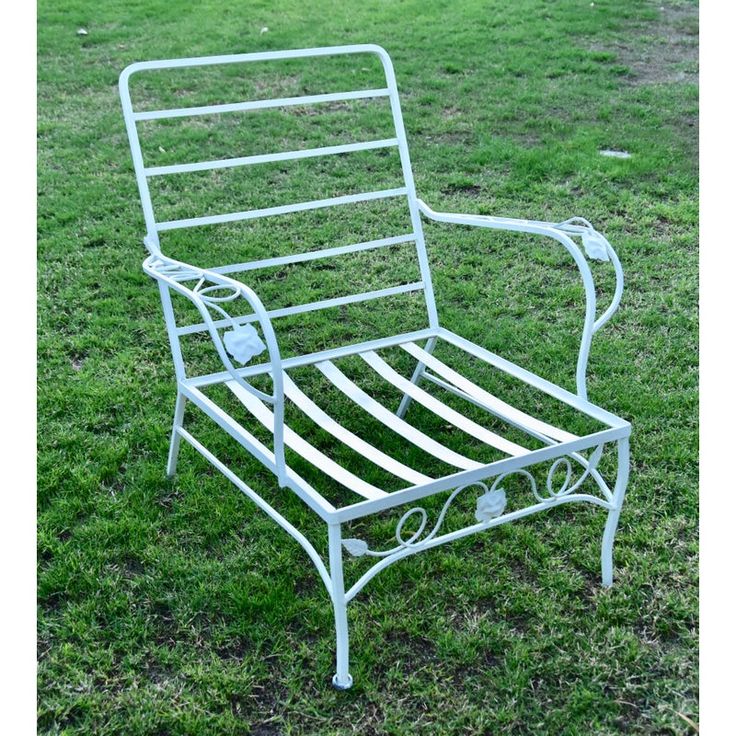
182 112
313 255
282 210
309 307
270 157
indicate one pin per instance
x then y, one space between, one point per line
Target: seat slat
495 405
442 410
303 448
326 422
380 412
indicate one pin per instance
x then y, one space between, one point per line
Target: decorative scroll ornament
490 505
242 341
566 488
596 244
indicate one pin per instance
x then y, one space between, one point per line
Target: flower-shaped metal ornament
490 505
243 343
596 245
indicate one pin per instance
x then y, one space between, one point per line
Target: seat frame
205 288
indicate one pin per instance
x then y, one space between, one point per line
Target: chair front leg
622 479
342 680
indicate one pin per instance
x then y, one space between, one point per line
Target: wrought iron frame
216 295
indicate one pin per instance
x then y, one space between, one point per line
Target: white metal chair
229 310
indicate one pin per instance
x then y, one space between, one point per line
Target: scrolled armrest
206 293
595 245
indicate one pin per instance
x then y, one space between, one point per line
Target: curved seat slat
326 422
495 405
310 453
442 410
380 412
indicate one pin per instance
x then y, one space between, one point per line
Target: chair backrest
301 106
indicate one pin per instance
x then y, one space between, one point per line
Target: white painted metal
526 426
259 104
285 209
415 377
467 477
181 401
312 358
495 405
561 233
310 307
342 679
467 531
314 254
622 479
577 402
259 451
304 448
224 302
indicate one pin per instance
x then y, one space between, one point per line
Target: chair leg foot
175 437
339 684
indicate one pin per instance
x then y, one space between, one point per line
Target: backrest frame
143 173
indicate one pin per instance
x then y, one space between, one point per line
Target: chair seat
515 438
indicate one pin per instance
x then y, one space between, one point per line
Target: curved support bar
592 471
264 506
173 273
408 550
560 232
585 228
617 294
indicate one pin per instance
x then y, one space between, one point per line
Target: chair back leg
175 436
415 378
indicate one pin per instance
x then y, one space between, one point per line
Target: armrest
206 293
595 245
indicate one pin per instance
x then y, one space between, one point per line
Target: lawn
176 607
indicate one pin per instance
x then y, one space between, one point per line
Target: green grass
178 608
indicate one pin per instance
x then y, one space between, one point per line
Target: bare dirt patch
664 51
